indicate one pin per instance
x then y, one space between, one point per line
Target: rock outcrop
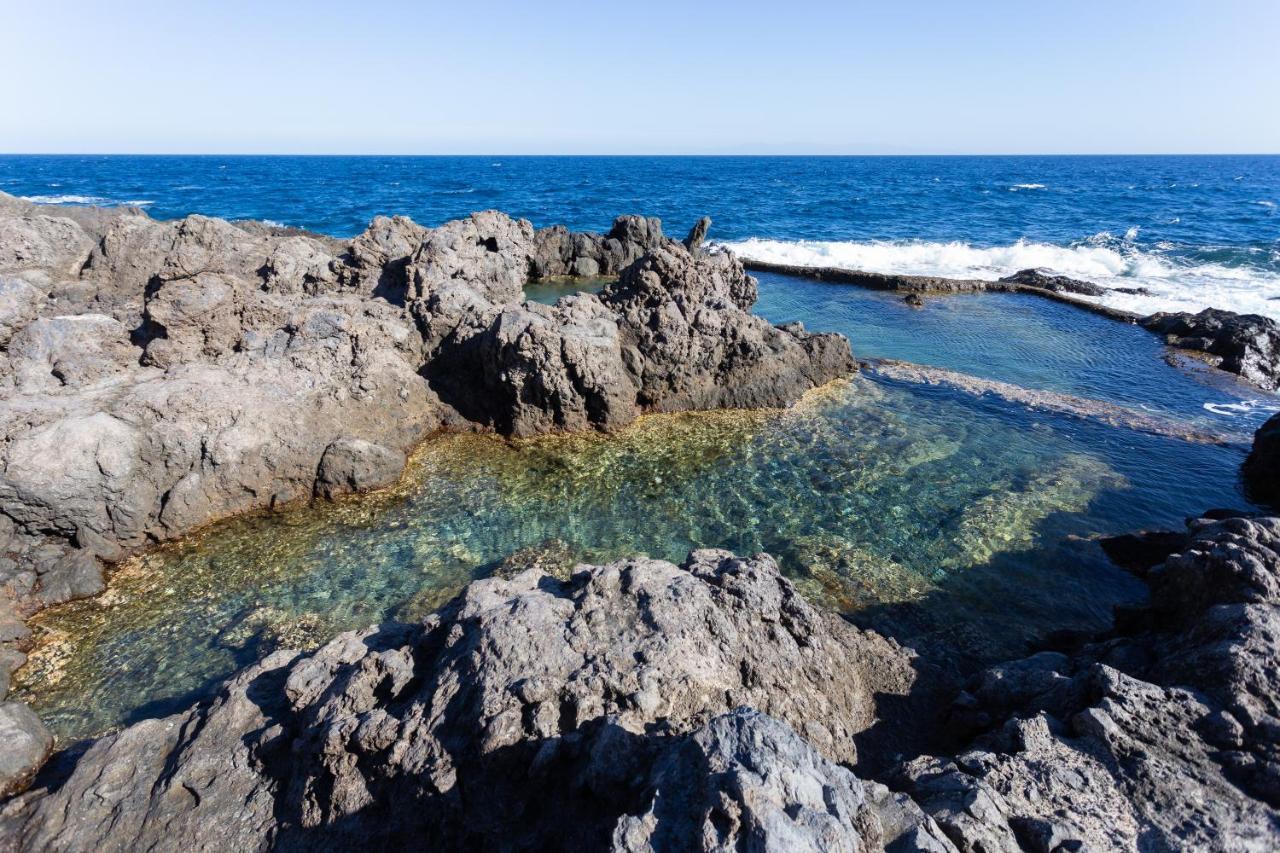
1045 280
156 376
640 705
530 713
1247 345
1165 735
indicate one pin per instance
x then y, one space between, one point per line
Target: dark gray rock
1163 736
1247 345
1055 283
26 746
530 713
697 234
1261 471
689 343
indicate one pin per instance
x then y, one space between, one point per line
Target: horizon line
635 154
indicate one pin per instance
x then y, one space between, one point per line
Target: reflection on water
871 494
548 290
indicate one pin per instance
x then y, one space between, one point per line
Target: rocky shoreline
165 374
162 375
641 705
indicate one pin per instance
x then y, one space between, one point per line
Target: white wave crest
1017 187
1243 407
65 199
85 199
1171 285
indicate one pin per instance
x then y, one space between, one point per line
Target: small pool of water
1026 340
930 513
548 290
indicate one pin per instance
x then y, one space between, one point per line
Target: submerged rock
1247 345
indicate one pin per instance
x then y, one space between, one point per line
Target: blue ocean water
1195 230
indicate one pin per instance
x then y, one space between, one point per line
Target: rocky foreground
641 705
155 376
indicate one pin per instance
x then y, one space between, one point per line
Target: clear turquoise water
939 516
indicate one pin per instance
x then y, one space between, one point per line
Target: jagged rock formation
1247 345
1165 735
530 713
160 375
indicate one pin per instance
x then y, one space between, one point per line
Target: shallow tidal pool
928 512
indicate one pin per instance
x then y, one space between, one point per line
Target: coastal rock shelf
579 432
161 375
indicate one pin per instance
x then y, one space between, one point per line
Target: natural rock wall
155 376
530 713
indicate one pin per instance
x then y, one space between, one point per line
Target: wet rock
1247 345
914 300
355 465
26 746
1261 471
1139 552
529 712
1055 283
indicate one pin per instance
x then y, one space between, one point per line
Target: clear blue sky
392 76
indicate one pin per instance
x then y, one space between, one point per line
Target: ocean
1195 231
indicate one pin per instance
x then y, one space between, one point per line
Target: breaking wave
1232 280
85 199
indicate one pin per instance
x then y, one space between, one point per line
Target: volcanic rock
1247 345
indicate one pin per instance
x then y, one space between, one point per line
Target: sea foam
85 199
1174 284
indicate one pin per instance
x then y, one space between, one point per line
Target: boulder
26 746
355 465
690 343
1261 471
1247 345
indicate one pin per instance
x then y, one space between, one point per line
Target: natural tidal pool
937 515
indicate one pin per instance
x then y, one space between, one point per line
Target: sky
657 77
